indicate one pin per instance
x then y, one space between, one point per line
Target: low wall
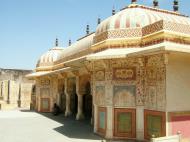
175 138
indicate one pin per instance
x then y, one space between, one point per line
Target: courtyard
27 126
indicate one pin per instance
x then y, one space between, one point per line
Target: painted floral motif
125 73
124 95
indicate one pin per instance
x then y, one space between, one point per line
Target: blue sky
28 28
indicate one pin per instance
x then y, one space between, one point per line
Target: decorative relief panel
156 60
100 75
44 92
124 73
121 63
155 83
152 100
100 95
45 82
124 95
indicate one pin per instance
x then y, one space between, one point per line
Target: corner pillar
109 130
140 122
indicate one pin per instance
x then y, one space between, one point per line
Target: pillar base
80 116
68 113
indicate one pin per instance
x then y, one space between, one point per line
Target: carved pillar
68 100
80 114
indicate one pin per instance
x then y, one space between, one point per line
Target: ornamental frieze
44 82
121 63
124 73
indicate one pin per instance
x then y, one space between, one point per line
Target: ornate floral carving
100 75
124 73
124 95
45 82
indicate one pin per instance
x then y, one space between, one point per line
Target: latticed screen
124 122
154 124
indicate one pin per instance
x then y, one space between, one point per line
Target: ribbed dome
135 16
48 58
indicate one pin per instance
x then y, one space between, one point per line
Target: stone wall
15 89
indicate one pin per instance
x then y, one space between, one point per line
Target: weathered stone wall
15 89
15 75
43 91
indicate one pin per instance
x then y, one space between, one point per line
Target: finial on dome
176 5
113 10
87 29
155 3
56 42
133 1
99 20
69 42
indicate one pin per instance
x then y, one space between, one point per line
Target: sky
28 28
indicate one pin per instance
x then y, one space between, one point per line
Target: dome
48 58
82 44
138 16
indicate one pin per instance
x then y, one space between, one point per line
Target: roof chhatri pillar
113 11
99 20
133 1
56 42
87 29
176 5
69 42
155 3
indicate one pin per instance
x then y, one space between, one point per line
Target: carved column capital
166 59
76 73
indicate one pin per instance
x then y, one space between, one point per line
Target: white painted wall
178 82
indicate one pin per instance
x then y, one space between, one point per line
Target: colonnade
80 112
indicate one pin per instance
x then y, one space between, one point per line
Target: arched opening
87 101
74 100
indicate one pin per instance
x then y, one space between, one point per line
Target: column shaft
80 114
68 100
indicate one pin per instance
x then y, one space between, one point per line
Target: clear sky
28 28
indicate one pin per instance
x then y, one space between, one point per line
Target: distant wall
15 89
15 75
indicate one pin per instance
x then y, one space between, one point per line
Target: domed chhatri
138 16
127 77
51 56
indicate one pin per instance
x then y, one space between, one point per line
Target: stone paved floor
26 126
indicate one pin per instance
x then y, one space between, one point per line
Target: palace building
131 77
